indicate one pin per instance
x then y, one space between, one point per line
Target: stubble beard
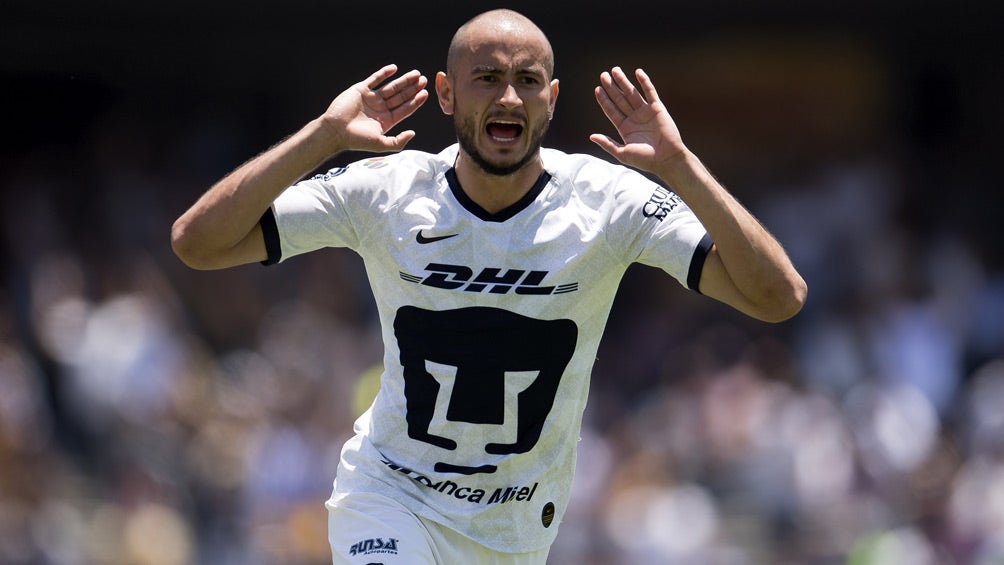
467 132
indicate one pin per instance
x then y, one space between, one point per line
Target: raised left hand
650 138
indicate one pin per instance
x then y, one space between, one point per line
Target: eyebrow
535 69
484 69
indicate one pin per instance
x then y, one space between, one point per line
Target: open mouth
504 131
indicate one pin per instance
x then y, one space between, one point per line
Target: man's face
502 97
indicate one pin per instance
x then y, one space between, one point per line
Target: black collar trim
505 213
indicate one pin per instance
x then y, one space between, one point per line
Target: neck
495 193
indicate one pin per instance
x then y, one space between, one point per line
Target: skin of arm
221 229
746 268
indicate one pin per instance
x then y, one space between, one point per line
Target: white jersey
491 323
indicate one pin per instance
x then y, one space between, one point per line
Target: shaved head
496 24
499 88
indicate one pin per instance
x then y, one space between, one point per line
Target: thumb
397 142
606 143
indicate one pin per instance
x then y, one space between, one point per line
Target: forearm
754 263
219 229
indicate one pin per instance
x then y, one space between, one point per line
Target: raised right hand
360 117
221 229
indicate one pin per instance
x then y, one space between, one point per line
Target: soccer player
494 264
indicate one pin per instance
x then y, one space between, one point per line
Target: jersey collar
505 213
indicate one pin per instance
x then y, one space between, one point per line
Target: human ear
554 98
444 91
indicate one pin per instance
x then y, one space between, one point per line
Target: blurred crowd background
154 415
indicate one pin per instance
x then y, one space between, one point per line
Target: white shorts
370 529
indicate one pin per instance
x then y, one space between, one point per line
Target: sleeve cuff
270 231
696 263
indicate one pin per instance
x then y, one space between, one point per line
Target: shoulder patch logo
329 175
660 204
374 163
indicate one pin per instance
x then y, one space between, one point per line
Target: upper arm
251 249
715 282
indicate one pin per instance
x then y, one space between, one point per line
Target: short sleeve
270 232
314 213
658 229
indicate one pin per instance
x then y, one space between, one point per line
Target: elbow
199 247
787 302
185 247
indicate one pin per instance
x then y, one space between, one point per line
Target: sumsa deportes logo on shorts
373 546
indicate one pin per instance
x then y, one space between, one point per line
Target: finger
624 84
610 109
647 86
401 84
406 92
614 92
378 77
408 107
606 143
397 142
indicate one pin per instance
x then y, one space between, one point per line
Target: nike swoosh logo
423 239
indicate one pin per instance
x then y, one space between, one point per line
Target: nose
510 98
